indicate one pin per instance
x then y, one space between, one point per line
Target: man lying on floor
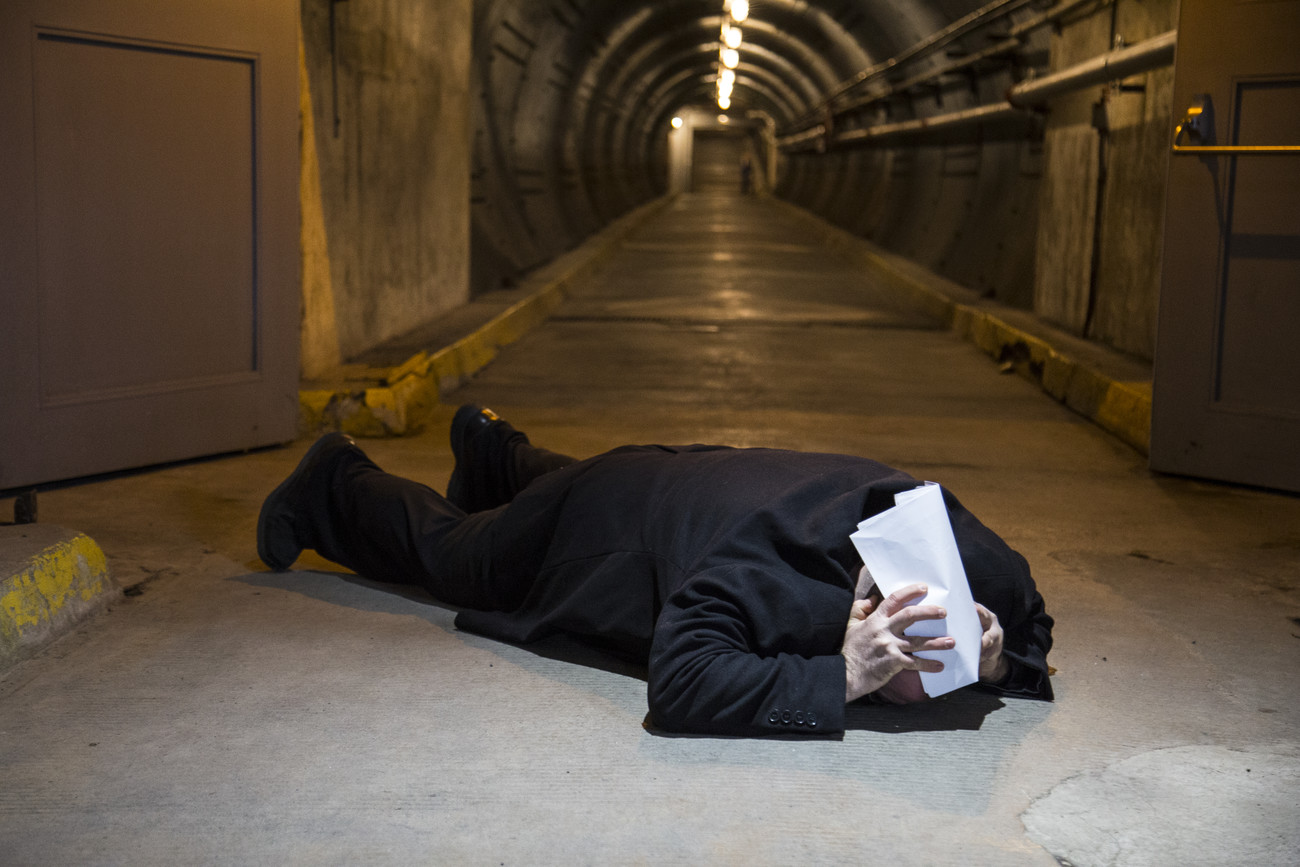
728 571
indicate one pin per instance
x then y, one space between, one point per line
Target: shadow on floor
965 710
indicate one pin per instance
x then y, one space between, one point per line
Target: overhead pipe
1112 66
816 135
882 133
1140 57
942 122
931 43
928 77
982 16
1013 42
1046 17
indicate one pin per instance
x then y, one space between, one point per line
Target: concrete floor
228 715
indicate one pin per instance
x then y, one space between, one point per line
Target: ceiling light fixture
729 37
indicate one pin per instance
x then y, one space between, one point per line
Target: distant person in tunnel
728 572
746 175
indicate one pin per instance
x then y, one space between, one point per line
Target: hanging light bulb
731 36
730 57
728 76
677 123
739 10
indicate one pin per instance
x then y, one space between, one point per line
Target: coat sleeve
740 651
1027 633
1000 580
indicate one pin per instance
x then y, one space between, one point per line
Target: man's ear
903 688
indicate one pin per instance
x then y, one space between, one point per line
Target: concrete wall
1063 217
966 206
386 215
1097 262
1133 198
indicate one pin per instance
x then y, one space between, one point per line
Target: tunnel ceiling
642 59
573 97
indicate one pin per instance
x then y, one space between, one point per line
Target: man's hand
993 665
876 648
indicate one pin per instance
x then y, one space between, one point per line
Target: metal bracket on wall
1198 125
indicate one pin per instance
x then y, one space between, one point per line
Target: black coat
730 571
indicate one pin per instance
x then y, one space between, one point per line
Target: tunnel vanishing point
216 209
461 144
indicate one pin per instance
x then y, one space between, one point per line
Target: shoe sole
278 496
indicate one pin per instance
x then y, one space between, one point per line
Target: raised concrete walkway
224 714
391 390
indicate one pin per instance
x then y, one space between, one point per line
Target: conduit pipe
1013 42
937 40
1060 10
1112 66
951 120
933 42
814 134
1148 54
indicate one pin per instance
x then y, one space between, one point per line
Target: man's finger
920 663
899 599
943 642
914 613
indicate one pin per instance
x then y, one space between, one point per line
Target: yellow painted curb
56 588
1123 408
402 398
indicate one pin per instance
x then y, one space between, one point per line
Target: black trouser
392 529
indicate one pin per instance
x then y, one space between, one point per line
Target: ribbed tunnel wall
566 125
572 102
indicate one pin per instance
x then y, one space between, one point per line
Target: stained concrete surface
227 714
387 214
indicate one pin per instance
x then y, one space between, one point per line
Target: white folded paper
912 543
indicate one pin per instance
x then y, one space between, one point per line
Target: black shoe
467 489
279 536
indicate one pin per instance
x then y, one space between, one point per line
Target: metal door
1227 368
148 234
715 160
